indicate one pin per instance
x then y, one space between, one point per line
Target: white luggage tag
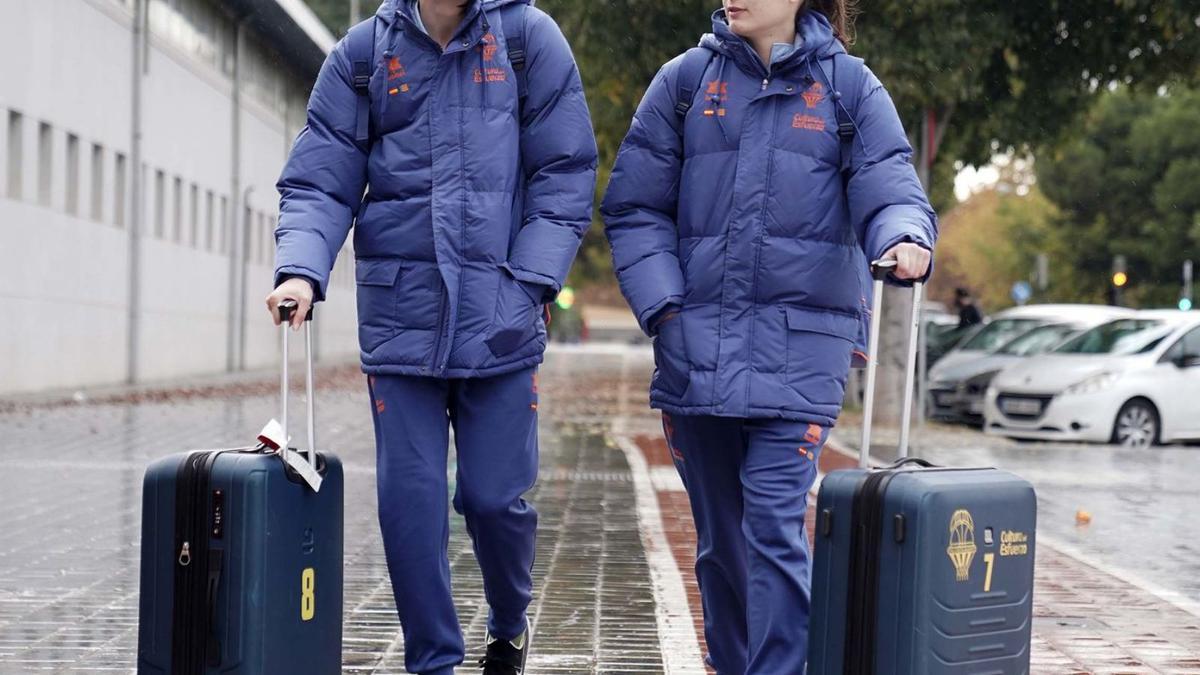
272 437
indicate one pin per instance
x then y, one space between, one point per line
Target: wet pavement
1142 503
70 484
614 591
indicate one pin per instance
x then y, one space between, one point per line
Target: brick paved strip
677 627
1086 620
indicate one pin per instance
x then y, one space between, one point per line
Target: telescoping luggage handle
880 269
308 470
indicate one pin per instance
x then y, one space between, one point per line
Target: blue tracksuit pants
495 434
748 482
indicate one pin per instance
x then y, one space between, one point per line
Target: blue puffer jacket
473 216
742 219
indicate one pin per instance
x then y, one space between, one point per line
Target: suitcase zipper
191 524
862 594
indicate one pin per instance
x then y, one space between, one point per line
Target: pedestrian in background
968 312
760 173
480 163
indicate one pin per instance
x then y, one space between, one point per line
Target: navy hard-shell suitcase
241 568
921 570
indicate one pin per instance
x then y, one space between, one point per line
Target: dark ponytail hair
841 14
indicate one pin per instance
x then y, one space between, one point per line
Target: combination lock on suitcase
241 568
917 569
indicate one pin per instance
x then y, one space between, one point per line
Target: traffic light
1120 279
1185 304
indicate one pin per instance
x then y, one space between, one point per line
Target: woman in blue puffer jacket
761 171
467 121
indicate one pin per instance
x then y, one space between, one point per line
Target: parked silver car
959 381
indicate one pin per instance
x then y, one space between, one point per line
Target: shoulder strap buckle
516 57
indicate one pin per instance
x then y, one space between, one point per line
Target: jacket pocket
515 319
672 370
376 297
819 347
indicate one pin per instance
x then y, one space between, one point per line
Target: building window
272 223
72 174
177 211
194 216
45 163
223 235
160 203
16 129
208 220
119 191
97 208
248 225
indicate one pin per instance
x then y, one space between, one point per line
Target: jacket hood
389 8
813 29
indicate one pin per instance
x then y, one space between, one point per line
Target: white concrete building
93 289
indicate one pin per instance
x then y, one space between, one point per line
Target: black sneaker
506 657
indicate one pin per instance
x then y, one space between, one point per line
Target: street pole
354 12
928 137
1187 283
133 341
243 261
234 359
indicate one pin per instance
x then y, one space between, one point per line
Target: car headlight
1093 383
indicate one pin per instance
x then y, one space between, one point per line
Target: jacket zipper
438 365
762 219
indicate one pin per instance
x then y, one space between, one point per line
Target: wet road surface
70 488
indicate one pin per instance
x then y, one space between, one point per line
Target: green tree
335 14
1128 184
990 242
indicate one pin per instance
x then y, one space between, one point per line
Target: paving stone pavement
70 484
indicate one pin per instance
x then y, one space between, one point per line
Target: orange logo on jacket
490 75
489 47
814 95
808 122
395 71
717 94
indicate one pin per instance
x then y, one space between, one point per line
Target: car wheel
1137 425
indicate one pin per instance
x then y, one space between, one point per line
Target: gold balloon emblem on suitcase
962 543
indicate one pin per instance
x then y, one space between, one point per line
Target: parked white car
1134 381
1003 328
1010 323
957 391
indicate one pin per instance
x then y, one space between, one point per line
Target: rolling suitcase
920 570
241 567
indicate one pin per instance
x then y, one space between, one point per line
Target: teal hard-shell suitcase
241 562
921 570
